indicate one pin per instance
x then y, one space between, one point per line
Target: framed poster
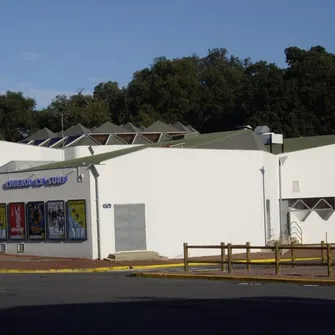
17 221
3 222
55 213
35 220
76 220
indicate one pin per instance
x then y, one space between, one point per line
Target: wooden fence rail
226 255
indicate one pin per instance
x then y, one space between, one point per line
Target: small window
295 186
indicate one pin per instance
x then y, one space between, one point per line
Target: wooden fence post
277 258
329 260
223 256
323 253
230 267
185 257
292 254
248 256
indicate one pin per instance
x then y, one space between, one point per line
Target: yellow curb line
144 267
234 278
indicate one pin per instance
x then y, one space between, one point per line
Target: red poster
17 221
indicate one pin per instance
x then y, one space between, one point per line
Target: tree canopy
217 92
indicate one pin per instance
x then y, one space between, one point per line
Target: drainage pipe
97 207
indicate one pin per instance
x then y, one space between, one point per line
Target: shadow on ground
268 315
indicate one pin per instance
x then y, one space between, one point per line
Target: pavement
95 303
20 263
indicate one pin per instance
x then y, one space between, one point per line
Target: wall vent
21 248
295 185
3 247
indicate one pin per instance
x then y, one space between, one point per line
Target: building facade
93 201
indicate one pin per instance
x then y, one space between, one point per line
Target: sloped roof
77 129
235 140
110 128
178 125
93 159
130 127
303 143
192 130
139 139
85 140
161 127
164 138
59 144
115 140
21 165
205 141
41 134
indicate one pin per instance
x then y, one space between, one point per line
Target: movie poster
36 220
3 222
17 221
55 220
76 218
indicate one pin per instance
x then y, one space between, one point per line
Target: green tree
311 76
169 90
16 115
115 98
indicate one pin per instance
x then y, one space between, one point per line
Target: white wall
16 151
83 151
314 168
22 152
69 191
315 229
191 195
271 179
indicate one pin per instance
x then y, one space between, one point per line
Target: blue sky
54 47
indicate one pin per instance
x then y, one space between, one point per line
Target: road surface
112 303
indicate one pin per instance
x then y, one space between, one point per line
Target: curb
288 280
144 267
104 269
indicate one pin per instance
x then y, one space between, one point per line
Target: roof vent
259 130
244 127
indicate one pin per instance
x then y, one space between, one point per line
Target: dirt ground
24 262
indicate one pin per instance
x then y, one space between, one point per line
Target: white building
94 201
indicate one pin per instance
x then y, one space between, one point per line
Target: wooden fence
226 260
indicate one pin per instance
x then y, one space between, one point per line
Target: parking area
92 303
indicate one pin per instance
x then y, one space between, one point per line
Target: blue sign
38 182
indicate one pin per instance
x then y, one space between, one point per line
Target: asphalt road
113 303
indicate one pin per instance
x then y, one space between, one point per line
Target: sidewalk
24 262
313 275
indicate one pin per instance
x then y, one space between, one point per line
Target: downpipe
97 207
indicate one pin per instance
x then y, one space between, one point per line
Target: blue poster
36 220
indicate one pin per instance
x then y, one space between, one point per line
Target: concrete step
126 256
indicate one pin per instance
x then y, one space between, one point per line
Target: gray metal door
130 232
